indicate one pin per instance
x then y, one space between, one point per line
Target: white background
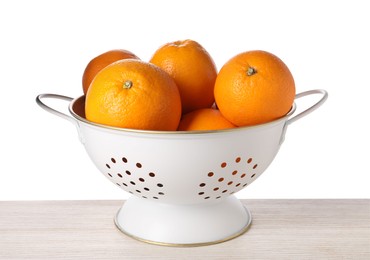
45 46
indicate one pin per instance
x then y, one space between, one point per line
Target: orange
193 70
134 94
254 87
100 62
204 119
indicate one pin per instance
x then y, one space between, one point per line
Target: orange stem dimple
251 71
128 84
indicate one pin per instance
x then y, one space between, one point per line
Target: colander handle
307 111
52 110
313 107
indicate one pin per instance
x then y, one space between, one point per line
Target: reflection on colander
183 183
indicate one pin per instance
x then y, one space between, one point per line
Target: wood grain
281 229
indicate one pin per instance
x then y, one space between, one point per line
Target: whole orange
100 62
193 70
134 94
254 87
204 119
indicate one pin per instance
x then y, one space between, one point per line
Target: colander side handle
313 107
52 110
308 110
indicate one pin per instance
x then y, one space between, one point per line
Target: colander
183 183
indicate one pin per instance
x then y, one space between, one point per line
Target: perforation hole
228 182
131 173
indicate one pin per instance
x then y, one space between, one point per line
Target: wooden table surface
281 229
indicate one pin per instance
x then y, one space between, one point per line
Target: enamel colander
182 183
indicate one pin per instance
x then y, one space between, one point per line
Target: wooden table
281 229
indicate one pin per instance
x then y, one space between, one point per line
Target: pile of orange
179 88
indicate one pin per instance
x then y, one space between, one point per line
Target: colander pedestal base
183 225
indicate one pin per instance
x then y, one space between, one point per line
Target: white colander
183 182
